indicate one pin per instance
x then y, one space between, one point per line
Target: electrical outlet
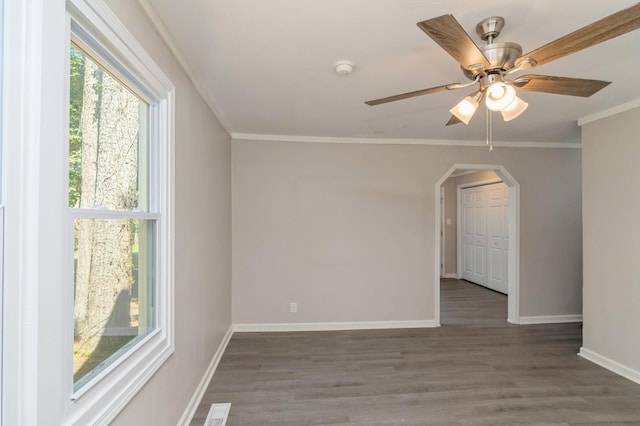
294 307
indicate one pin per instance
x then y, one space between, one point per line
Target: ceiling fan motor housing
501 56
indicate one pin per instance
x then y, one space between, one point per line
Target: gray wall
451 212
203 240
348 230
611 182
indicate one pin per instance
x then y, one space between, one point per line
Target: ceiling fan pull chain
489 130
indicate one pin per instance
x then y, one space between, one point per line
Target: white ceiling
268 65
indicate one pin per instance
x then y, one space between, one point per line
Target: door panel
474 235
468 222
479 262
496 211
495 264
467 263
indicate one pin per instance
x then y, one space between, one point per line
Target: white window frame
96 29
2 180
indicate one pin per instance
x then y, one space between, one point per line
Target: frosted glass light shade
514 109
499 96
465 109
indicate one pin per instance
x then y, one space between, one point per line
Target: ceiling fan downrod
488 29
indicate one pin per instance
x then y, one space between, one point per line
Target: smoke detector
344 67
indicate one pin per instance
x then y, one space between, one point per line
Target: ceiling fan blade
607 28
449 34
453 120
560 85
407 95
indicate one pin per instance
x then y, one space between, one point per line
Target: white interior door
474 237
497 237
484 239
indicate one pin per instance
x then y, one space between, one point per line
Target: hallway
465 303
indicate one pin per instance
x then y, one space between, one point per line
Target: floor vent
218 414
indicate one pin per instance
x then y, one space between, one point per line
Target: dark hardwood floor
475 369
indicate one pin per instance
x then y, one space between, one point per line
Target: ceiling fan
490 65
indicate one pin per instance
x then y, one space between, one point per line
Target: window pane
107 139
114 300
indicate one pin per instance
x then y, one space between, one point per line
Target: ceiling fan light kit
489 65
514 109
499 96
465 109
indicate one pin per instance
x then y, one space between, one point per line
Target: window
120 225
113 224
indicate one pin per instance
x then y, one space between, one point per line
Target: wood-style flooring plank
475 369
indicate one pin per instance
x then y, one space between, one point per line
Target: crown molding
398 141
171 44
609 112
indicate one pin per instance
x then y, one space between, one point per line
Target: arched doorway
513 296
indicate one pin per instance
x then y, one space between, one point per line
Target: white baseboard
611 365
331 326
190 411
451 275
550 319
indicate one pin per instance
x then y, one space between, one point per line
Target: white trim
452 275
513 296
2 190
397 141
171 44
609 112
458 174
2 409
31 110
333 326
611 365
194 402
443 238
81 213
550 319
96 16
